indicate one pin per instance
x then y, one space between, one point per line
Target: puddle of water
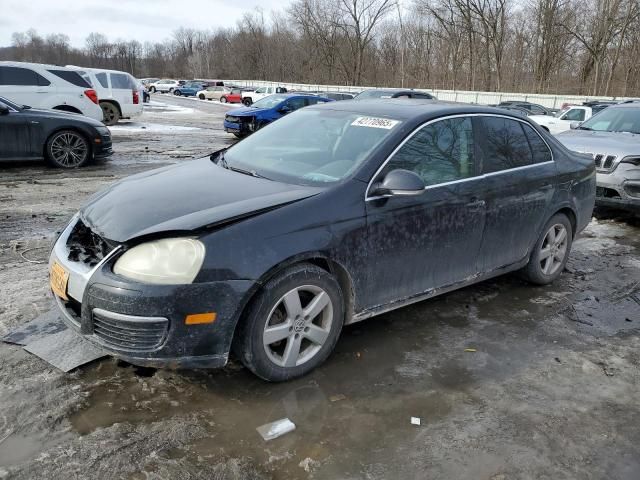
16 448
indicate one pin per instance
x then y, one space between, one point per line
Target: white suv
163 86
118 93
48 86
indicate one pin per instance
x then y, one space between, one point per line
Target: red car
235 96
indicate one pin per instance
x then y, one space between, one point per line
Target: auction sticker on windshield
375 122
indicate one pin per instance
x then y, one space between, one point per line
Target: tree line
586 47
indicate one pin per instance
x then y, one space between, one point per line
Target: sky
143 20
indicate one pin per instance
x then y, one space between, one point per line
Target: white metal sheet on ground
65 350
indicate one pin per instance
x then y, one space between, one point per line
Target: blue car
244 121
189 89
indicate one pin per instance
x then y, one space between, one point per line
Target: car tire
60 145
302 311
152 89
551 251
110 113
177 92
223 99
201 96
247 102
170 90
239 135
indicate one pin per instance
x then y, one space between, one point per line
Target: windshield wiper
224 164
251 173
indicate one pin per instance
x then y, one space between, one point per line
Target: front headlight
170 261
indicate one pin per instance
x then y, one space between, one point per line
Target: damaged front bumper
620 188
144 324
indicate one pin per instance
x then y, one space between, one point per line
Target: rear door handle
475 204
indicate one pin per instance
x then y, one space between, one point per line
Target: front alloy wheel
67 149
294 333
292 324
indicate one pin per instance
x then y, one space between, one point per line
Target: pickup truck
259 93
562 122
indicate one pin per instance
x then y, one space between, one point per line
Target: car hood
611 143
58 114
183 197
542 118
249 111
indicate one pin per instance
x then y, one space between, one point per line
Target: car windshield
367 94
286 151
612 119
270 101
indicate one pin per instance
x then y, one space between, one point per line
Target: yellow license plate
58 278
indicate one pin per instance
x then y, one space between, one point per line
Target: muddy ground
510 381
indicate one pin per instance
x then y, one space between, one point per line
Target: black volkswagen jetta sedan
64 139
326 217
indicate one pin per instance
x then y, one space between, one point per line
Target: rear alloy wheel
201 96
177 92
551 251
110 113
68 149
293 324
223 99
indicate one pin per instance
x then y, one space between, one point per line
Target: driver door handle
475 204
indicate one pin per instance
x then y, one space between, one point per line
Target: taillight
92 95
136 97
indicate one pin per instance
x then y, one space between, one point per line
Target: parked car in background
612 138
148 81
562 122
271 246
393 93
188 89
532 108
244 121
337 95
215 93
259 93
514 109
48 86
118 93
163 86
65 140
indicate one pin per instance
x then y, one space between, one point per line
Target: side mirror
285 109
574 125
398 182
4 110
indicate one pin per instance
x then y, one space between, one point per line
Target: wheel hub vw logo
298 325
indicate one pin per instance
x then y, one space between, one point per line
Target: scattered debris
470 350
272 430
308 464
415 421
337 398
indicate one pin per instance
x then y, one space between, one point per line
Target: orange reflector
199 318
97 140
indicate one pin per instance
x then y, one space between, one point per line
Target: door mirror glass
398 182
4 110
574 125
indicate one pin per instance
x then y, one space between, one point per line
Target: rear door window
121 81
440 152
21 77
506 145
102 78
73 78
539 149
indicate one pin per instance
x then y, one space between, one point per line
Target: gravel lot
510 381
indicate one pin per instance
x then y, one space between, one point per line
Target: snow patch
133 128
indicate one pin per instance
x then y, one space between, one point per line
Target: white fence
482 98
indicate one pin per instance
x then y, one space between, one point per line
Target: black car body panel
24 132
386 252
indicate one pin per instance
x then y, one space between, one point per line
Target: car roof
46 66
409 109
